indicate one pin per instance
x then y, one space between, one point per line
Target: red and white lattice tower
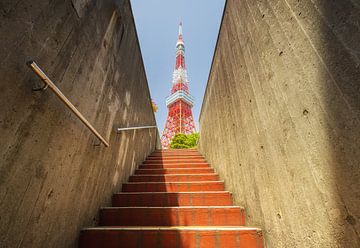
180 102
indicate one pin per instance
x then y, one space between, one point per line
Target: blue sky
157 26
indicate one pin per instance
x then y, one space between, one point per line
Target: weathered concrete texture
280 118
52 179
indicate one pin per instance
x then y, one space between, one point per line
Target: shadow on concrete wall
52 178
341 78
274 58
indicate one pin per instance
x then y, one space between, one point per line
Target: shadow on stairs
174 200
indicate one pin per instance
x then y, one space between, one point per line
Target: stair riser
171 239
172 217
174 178
174 187
175 154
176 199
189 156
177 151
174 166
176 157
174 171
173 161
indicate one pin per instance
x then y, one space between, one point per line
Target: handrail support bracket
43 88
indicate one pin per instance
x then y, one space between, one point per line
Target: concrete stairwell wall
52 178
280 118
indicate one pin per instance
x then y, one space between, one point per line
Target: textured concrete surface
52 178
280 118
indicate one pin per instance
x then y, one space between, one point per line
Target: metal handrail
134 128
56 90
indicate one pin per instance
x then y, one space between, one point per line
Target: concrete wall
52 178
280 118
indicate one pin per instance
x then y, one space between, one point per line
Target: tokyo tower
180 102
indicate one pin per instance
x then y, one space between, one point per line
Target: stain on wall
280 118
52 178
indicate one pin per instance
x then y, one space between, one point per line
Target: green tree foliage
183 141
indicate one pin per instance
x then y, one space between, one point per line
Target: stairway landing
173 200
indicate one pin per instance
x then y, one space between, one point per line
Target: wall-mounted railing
157 140
60 95
134 128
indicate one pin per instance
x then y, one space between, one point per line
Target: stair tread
176 207
177 162
180 161
167 175
174 165
188 165
196 168
180 192
185 228
173 177
196 182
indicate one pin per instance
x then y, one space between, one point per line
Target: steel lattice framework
180 102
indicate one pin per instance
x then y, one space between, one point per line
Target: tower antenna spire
180 28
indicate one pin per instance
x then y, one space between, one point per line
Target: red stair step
174 178
173 186
171 151
174 154
166 199
173 161
172 216
174 171
170 237
192 155
169 166
175 157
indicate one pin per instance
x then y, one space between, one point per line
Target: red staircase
174 200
